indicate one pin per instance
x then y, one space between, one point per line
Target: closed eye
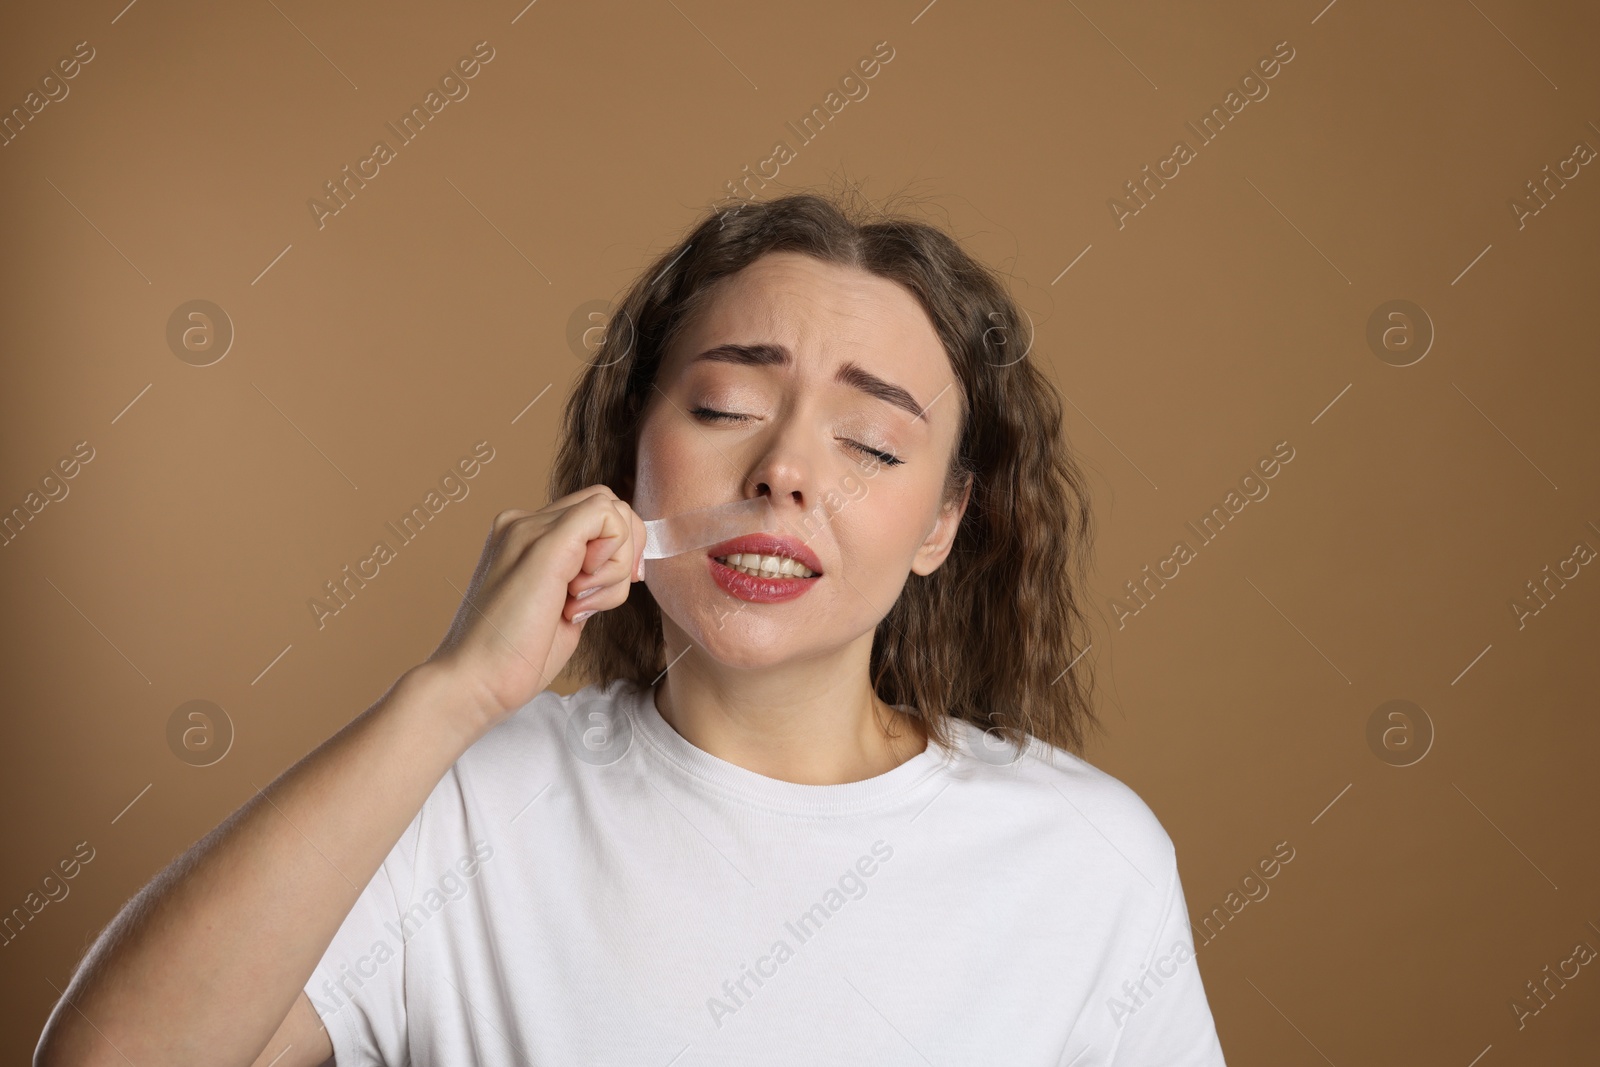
712 415
886 458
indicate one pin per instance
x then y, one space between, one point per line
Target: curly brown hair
994 635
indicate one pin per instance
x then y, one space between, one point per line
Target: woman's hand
541 575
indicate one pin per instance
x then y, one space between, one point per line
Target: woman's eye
712 415
886 458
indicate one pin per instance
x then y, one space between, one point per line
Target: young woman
819 801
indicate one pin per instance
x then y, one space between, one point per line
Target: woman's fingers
513 631
613 557
609 572
610 556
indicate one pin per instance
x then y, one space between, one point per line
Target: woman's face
826 390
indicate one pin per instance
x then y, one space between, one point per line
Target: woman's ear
936 546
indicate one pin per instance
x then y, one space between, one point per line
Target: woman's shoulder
1055 782
553 740
554 729
550 709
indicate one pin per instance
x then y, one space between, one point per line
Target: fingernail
580 616
587 592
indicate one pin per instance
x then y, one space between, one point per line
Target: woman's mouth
759 566
764 568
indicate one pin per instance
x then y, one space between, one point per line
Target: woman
818 803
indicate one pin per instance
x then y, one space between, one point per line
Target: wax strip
690 530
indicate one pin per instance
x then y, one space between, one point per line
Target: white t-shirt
584 886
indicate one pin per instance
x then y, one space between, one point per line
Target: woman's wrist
440 699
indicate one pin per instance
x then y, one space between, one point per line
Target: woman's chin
740 640
738 645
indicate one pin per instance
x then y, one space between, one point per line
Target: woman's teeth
766 566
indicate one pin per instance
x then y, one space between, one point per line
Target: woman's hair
994 635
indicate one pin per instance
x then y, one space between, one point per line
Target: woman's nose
785 470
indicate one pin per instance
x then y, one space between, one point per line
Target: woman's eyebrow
851 374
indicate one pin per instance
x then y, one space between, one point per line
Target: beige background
1228 315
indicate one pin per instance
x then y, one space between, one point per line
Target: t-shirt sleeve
1165 1020
358 987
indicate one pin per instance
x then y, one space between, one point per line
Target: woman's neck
814 723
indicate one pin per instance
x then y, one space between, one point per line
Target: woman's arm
204 965
205 962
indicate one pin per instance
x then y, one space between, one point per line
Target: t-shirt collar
729 780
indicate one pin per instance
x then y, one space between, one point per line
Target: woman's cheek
896 508
869 535
661 479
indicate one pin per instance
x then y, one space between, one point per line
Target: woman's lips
766 544
759 590
762 589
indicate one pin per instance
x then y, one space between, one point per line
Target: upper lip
766 544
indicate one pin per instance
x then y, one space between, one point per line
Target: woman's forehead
820 312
